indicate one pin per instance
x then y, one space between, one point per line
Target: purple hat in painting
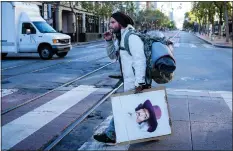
155 113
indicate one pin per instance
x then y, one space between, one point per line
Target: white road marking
6 92
20 128
176 44
207 46
95 46
192 45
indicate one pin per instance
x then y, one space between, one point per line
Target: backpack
153 68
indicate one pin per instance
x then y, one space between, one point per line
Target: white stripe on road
176 44
207 46
19 129
6 92
192 45
95 46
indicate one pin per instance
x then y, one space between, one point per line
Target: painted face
142 115
114 25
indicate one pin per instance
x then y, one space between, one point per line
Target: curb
207 41
221 46
85 43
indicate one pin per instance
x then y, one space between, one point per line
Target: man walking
133 66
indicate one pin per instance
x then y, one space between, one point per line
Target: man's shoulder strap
126 40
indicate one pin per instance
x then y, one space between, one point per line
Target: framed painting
141 117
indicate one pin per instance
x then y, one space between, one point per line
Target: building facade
61 17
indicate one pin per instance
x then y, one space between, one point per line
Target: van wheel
61 54
4 55
45 52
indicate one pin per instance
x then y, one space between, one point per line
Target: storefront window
80 23
92 24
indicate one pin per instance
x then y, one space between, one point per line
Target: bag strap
126 41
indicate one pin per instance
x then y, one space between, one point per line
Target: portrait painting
141 116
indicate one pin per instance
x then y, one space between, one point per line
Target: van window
43 27
26 26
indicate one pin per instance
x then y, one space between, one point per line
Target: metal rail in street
7 68
47 67
66 84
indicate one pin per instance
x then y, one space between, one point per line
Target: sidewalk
201 120
216 42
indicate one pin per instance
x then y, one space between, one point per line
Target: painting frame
168 111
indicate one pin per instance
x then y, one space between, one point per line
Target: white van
25 31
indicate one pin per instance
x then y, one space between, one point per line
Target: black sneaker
103 138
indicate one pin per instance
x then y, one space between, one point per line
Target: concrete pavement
201 120
216 42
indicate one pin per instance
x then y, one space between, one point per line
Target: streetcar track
16 66
43 68
63 85
7 68
66 84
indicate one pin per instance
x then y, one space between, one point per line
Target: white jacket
136 61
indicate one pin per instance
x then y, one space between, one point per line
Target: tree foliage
204 12
189 19
153 19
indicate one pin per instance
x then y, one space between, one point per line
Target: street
200 67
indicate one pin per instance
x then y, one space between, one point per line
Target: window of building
80 22
92 24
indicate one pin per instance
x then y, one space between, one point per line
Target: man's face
142 115
114 25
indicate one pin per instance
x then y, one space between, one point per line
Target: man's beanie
122 19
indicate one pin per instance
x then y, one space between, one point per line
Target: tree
152 19
72 7
199 13
189 19
102 9
232 18
226 22
130 9
220 6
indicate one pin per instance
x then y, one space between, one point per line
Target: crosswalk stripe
176 44
95 46
20 128
207 45
192 45
6 92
